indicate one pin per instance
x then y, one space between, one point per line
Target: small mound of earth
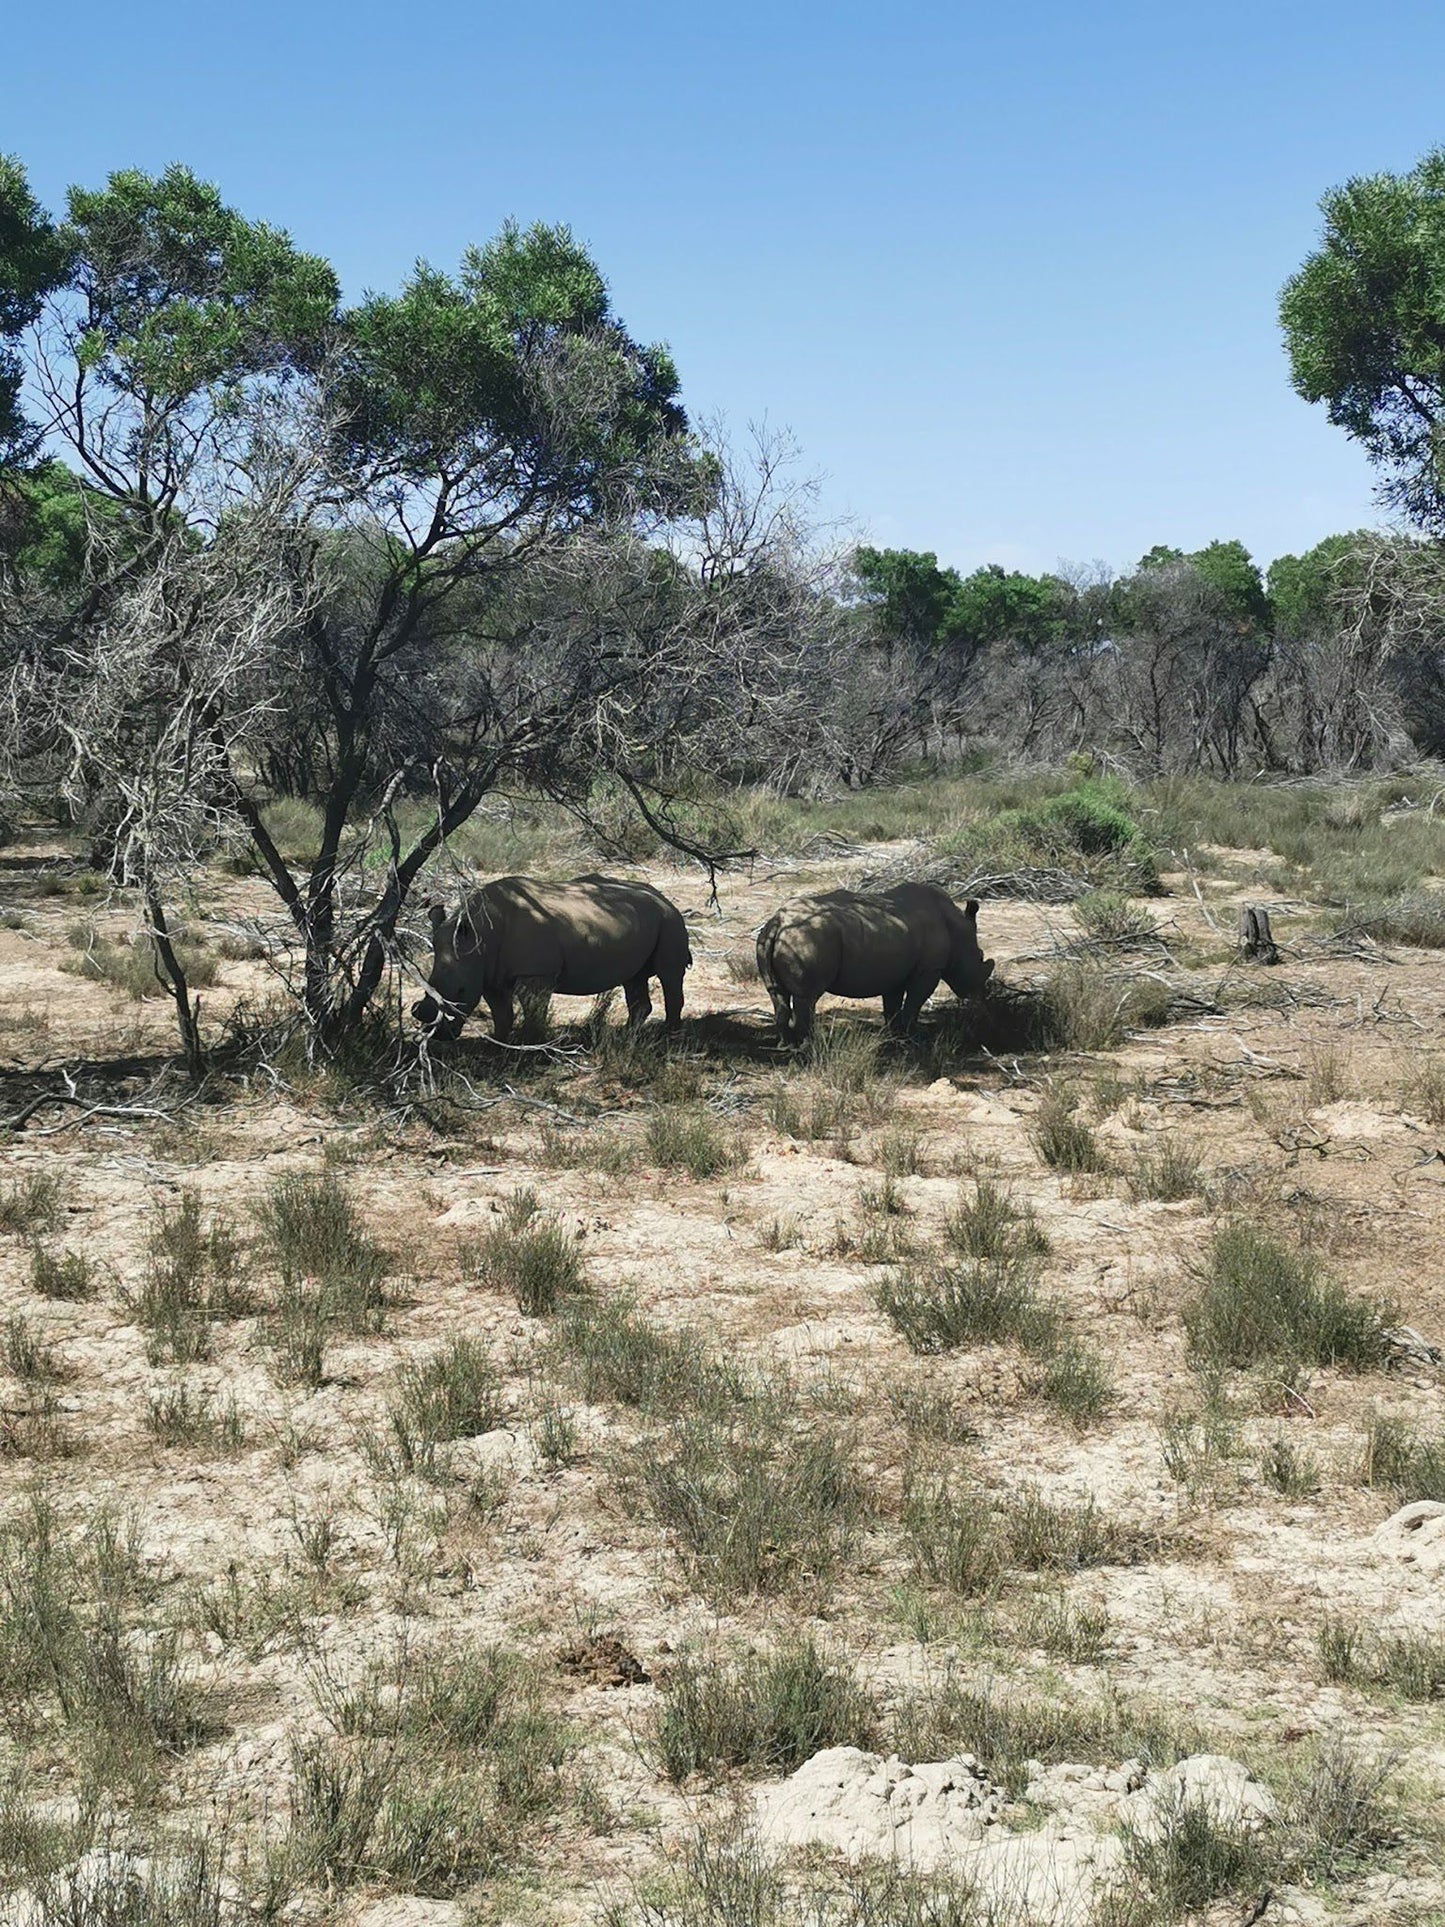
1415 1535
948 1815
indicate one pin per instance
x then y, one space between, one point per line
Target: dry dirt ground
1303 1091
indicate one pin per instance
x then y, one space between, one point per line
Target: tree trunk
1256 941
172 975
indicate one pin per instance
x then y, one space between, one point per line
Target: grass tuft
1262 1301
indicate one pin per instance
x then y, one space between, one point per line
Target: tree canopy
1364 324
32 262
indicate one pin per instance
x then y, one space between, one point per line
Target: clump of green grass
1261 1301
941 1304
1293 1473
928 1412
966 1538
66 1274
692 1139
1201 1440
454 1393
28 1356
436 1770
192 1277
75 1676
991 1224
30 1204
1193 1856
178 1414
773 1710
602 1151
756 1498
1414 918
1173 1172
1074 1379
529 1255
314 1237
1107 917
1007 1728
1398 1457
610 1351
1076 1630
1062 1138
134 968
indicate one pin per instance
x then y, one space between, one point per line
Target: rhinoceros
577 938
895 944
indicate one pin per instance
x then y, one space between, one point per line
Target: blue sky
1008 273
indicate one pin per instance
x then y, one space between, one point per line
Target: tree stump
1256 941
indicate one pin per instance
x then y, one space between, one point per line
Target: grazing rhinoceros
895 944
577 938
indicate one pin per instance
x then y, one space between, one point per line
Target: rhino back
845 941
583 937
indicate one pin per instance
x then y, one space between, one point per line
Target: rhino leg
892 1004
639 1000
783 1012
916 996
672 999
804 1004
500 1005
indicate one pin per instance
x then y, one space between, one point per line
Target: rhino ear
436 914
970 909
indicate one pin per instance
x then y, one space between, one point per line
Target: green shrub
939 1305
692 1140
1167 1175
754 1499
1061 1137
772 1710
1195 1857
1006 1728
990 1224
1396 1456
535 1258
66 1274
313 1234
1074 1379
30 1204
434 1770
454 1393
611 1351
1264 1302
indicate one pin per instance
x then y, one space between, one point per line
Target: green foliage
1006 1728
940 1305
31 1203
773 1709
435 1767
184 294
1262 1301
612 1352
1397 1457
32 263
755 1497
533 1257
1361 321
688 1138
